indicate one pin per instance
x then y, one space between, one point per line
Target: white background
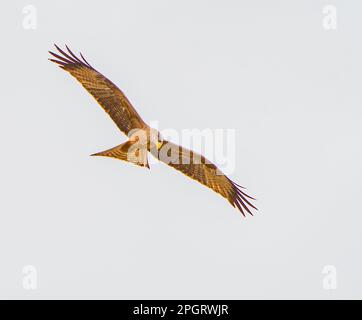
101 228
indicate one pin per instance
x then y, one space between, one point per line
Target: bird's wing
200 169
107 94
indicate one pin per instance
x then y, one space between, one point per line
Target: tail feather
129 151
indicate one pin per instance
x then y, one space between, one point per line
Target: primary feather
107 94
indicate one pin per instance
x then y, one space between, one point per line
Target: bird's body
144 139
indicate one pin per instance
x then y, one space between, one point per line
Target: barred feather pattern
107 94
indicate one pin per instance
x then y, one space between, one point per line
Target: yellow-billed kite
142 138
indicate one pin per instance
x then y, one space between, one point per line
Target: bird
143 139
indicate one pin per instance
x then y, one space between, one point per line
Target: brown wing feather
107 94
202 170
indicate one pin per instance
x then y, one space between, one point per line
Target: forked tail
130 151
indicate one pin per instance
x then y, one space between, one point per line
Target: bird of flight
144 139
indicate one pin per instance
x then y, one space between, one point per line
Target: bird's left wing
197 167
107 94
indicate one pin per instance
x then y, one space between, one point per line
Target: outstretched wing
202 170
108 95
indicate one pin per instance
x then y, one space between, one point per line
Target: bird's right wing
107 94
197 167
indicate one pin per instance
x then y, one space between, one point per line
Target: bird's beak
159 145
